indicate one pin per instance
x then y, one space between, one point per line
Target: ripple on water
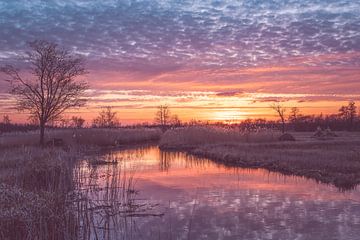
204 200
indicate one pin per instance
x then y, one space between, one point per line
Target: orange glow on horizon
219 94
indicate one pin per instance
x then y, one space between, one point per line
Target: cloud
190 52
230 93
163 35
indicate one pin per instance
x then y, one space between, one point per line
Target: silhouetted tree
6 120
77 122
348 114
352 113
63 122
280 110
162 116
294 114
175 121
52 89
107 118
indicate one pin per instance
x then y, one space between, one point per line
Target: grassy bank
86 136
47 194
335 161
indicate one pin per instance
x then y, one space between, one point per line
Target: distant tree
195 122
280 110
343 113
6 120
192 122
294 114
62 122
352 113
33 120
107 118
175 121
162 116
77 122
52 89
348 114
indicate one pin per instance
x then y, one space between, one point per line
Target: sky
208 60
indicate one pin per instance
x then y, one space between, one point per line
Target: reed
49 194
189 137
34 194
84 136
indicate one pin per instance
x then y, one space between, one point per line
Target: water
183 197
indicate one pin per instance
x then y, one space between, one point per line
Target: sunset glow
207 60
180 119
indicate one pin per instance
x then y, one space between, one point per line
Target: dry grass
34 190
334 162
28 165
86 136
46 194
189 137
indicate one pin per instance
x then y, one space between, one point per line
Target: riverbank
336 163
333 161
45 193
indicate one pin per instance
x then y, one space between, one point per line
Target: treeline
292 119
4 128
305 123
346 119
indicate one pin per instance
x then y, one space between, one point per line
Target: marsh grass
336 162
109 199
34 194
84 136
190 137
48 194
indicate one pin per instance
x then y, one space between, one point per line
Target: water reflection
192 198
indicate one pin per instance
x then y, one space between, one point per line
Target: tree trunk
42 131
283 127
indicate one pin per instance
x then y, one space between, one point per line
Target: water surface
184 197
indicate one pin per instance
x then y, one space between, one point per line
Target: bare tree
348 114
352 113
77 122
294 114
175 120
52 88
343 112
107 118
280 110
6 120
162 116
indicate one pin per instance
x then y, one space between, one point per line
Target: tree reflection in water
150 194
